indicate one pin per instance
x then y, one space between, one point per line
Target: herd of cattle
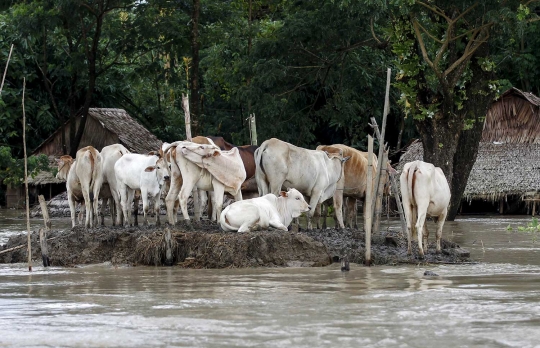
214 166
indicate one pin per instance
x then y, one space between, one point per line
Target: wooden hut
103 127
506 173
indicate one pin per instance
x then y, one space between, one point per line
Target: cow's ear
345 159
151 153
216 153
149 169
283 194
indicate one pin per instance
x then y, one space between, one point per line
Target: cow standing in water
265 211
424 191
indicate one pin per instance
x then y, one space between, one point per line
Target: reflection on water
493 303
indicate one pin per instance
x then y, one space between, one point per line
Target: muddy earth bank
208 247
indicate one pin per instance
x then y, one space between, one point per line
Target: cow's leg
408 217
210 208
122 190
318 210
185 191
313 201
355 212
146 206
440 223
338 208
135 199
425 235
95 203
88 207
157 205
81 212
203 200
219 191
196 205
171 201
72 211
421 210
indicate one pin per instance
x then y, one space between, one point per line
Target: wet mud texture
207 247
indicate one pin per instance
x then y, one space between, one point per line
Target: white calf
425 191
265 211
146 173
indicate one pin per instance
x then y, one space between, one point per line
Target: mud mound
207 247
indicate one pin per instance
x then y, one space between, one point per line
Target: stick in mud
26 182
44 247
168 253
369 190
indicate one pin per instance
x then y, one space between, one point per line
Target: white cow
146 173
314 173
265 211
110 155
83 178
424 191
205 167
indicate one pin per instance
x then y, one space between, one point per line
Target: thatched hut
507 168
103 127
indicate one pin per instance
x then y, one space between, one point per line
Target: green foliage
12 169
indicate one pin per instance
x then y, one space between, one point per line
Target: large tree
446 77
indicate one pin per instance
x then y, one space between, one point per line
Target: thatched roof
513 118
108 126
131 133
44 177
500 170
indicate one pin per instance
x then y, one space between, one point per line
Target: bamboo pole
43 232
5 70
252 129
380 193
168 252
369 190
187 120
383 131
26 182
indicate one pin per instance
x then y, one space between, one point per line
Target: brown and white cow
354 183
83 178
424 191
314 173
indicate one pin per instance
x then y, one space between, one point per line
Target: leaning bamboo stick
383 132
369 190
380 193
5 70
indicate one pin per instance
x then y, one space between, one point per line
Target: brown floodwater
494 303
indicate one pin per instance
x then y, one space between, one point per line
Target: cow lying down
265 211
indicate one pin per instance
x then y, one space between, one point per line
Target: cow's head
161 169
198 152
296 204
64 164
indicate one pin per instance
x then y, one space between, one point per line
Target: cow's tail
225 225
95 174
260 175
411 181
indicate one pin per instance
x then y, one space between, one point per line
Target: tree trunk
195 110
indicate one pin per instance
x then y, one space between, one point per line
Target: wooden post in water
380 193
43 232
26 182
187 120
383 131
252 129
369 212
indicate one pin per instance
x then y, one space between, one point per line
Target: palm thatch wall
508 161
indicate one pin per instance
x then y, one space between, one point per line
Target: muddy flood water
493 303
